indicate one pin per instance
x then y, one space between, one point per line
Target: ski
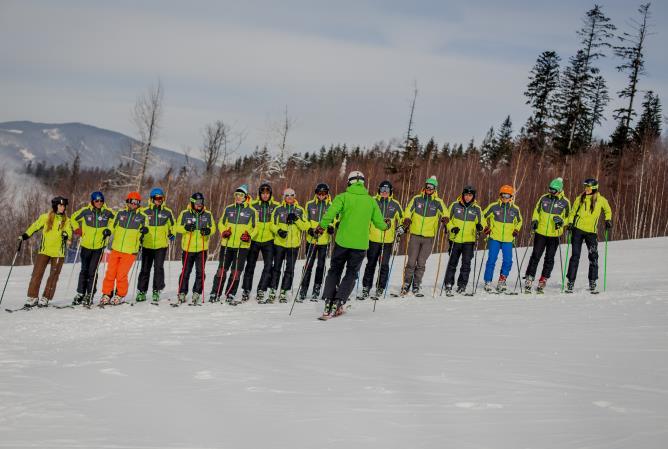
24 307
64 306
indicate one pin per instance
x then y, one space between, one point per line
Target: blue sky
344 69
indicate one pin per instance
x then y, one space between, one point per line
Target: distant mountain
54 144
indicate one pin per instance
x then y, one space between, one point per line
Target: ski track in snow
489 371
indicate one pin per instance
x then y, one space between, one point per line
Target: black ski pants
335 287
373 255
232 260
149 258
311 258
198 260
542 243
90 258
289 255
457 250
267 250
591 240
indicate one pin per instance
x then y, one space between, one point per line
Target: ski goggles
289 195
591 183
429 187
553 191
158 198
506 196
134 202
197 202
239 194
98 200
385 189
322 192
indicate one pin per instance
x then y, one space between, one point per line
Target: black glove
388 222
106 233
400 231
205 231
311 232
455 230
558 222
282 233
444 220
64 235
330 230
292 217
478 227
144 230
534 225
171 237
407 223
190 227
515 232
25 236
608 224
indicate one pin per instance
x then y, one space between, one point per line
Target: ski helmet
95 196
385 186
322 187
506 189
591 182
55 202
556 185
288 192
243 188
133 196
197 199
432 181
265 187
156 192
469 189
355 176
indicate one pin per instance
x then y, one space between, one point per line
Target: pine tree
487 148
504 143
597 100
634 63
543 82
649 125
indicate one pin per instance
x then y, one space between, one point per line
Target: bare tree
215 135
277 162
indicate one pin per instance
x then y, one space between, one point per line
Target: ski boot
43 302
365 294
569 287
461 289
417 291
501 286
404 290
488 287
104 300
272 296
528 284
283 296
592 288
117 300
181 298
141 297
30 302
245 294
155 296
196 298
340 308
231 300
542 282
260 297
87 300
448 290
315 294
379 292
329 310
78 299
214 298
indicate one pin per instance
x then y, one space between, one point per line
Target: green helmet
432 180
557 184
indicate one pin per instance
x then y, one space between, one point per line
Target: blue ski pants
493 248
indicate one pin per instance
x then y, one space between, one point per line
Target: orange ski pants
118 267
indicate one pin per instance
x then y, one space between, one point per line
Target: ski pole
135 272
519 267
235 274
18 250
74 264
185 263
380 266
395 250
221 273
482 262
97 270
563 268
309 254
438 267
203 269
450 244
605 261
526 250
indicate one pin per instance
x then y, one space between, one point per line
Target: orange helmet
134 196
506 189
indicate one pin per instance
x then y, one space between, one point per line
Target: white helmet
355 176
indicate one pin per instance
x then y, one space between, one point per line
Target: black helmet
56 201
591 182
385 185
322 187
469 189
196 198
265 186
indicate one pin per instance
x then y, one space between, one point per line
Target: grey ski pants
419 249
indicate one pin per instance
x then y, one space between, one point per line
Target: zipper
547 225
503 228
424 218
466 212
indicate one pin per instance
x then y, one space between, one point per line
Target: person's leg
125 262
159 269
289 273
308 267
354 259
147 256
268 249
251 261
577 238
86 256
386 255
539 242
411 260
592 246
54 273
372 255
321 255
453 260
424 252
91 282
199 260
336 265
551 247
465 270
219 278
188 263
110 276
37 274
493 247
237 267
279 256
507 264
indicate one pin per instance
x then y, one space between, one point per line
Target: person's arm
303 221
178 226
518 219
377 216
607 211
333 211
213 224
37 224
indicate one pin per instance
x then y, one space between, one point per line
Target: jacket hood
460 200
295 204
378 197
433 195
357 188
327 200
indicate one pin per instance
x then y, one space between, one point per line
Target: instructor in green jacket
356 209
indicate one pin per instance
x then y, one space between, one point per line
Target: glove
515 232
400 231
190 227
608 224
171 237
487 230
226 233
478 227
455 230
568 227
330 230
311 232
64 235
407 223
444 220
388 222
245 237
205 231
144 230
292 217
534 225
282 233
558 222
78 232
24 236
106 233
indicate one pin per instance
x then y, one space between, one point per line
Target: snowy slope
556 371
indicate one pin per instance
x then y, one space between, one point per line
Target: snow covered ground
556 371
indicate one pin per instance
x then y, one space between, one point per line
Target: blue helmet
156 192
96 196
